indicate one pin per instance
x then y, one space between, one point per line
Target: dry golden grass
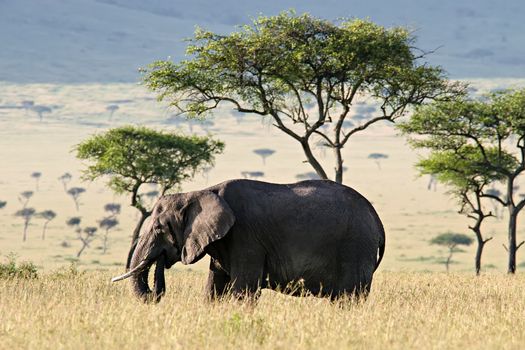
405 310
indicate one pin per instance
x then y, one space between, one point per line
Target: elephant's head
180 228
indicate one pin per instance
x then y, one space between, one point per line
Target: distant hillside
108 40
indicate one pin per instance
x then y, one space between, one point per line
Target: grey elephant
320 234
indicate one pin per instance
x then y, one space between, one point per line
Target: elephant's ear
207 218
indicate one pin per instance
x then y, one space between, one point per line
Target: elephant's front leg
218 281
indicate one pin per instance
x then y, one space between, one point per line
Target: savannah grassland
413 303
68 310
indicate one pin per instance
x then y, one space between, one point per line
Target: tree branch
363 127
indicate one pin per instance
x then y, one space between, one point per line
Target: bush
10 269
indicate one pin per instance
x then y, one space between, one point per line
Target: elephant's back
310 200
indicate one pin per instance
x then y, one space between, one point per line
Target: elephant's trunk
139 281
159 282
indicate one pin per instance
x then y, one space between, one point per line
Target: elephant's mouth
139 277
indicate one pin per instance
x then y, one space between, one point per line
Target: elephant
320 234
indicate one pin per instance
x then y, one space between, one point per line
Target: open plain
72 304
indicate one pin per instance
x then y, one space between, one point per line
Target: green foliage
11 269
281 65
130 156
2 204
450 125
286 54
451 240
466 168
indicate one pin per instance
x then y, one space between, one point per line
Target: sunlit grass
405 310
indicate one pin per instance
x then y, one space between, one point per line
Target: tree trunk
480 240
25 231
513 214
84 245
44 230
447 263
479 252
312 160
338 165
135 237
105 243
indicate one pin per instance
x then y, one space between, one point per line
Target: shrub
11 269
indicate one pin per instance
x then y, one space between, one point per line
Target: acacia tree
133 156
26 214
65 179
25 197
451 241
36 175
86 236
459 169
303 73
113 209
47 215
74 222
107 224
494 128
75 193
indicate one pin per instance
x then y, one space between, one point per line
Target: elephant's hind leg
218 282
357 282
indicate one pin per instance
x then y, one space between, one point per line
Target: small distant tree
47 215
112 109
451 241
2 204
24 197
27 104
74 222
113 209
264 153
133 156
65 179
107 224
307 176
377 157
75 193
27 215
252 174
152 195
432 182
40 110
303 72
36 175
86 236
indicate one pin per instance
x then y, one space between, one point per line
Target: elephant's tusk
130 273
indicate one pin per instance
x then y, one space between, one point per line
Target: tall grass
405 310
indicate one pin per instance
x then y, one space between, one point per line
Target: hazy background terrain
83 41
79 57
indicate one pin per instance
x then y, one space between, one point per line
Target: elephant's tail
381 249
